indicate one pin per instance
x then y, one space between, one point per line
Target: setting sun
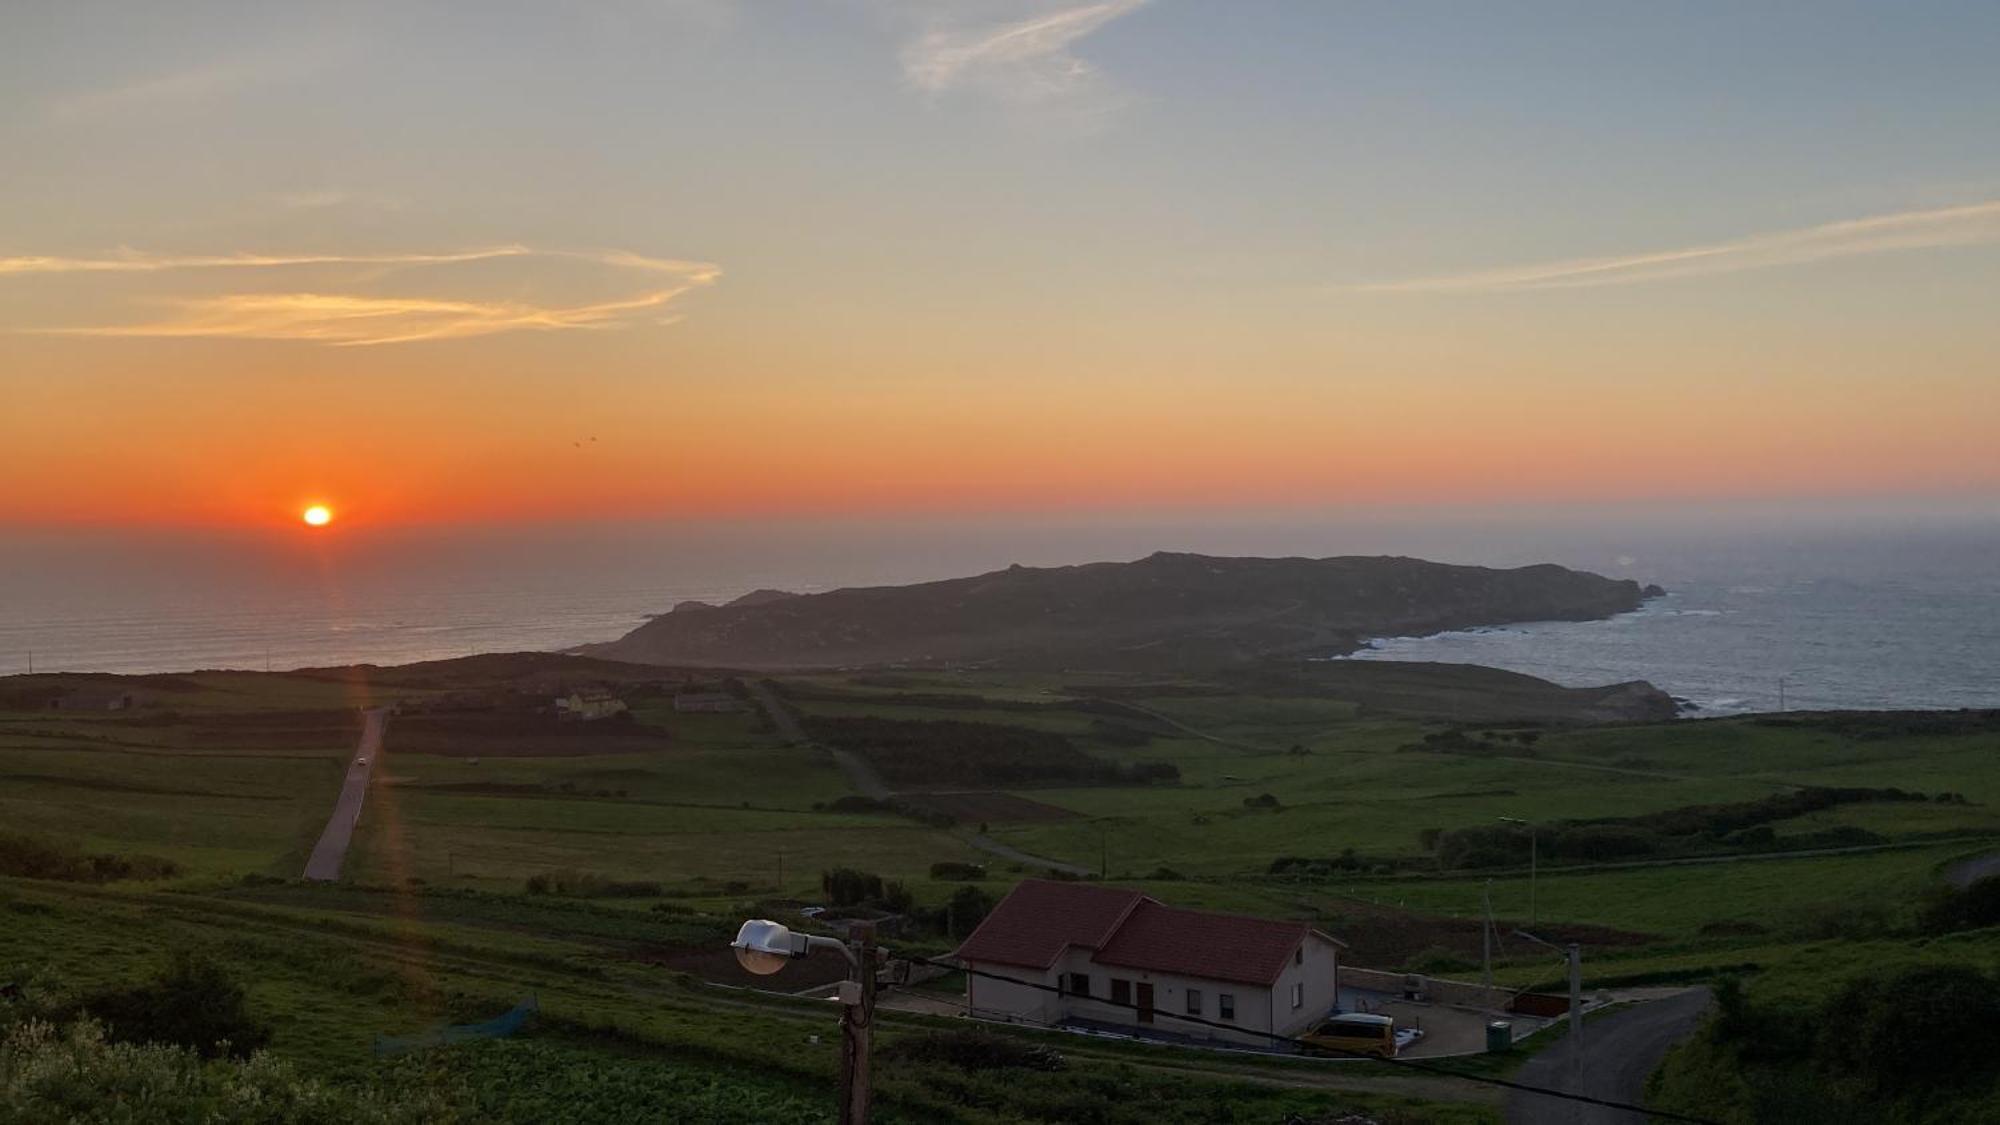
319 515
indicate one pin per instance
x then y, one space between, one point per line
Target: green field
712 816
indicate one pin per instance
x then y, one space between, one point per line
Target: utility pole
1575 1019
857 1017
1781 693
1573 955
1486 937
1103 852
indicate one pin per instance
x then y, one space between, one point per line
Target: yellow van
1355 1033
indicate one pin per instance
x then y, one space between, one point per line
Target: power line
1408 1064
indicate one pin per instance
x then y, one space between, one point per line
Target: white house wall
1004 1000
1260 1011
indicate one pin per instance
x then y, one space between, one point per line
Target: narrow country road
1966 872
1620 1051
331 851
868 783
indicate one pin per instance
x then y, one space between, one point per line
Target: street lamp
1533 862
764 947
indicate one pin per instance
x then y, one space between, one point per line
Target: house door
1145 1001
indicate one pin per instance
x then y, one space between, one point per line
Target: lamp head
763 946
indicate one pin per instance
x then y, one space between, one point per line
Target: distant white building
586 704
707 701
1098 955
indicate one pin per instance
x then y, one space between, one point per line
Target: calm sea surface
1886 613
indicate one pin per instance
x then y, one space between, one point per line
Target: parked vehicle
1355 1033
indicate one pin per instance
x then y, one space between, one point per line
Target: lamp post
1534 861
764 947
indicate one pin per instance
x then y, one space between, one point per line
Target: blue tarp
494 1028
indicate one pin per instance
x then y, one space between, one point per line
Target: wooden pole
856 1022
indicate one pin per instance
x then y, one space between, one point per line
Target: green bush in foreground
1916 1044
76 1075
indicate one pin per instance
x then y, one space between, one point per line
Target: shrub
193 1003
965 909
1936 1025
950 869
37 857
76 1074
845 886
570 882
1964 909
1602 842
1261 801
976 1050
1437 960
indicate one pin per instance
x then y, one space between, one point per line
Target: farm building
1103 956
587 704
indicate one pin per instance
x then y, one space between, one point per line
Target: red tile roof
1039 919
1196 943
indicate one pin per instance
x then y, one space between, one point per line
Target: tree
967 907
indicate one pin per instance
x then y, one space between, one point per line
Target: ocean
1829 611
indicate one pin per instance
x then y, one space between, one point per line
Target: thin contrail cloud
1968 225
364 318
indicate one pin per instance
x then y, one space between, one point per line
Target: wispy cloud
218 78
136 262
1968 225
1028 60
350 318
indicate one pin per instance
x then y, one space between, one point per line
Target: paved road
868 783
331 850
1620 1051
1966 872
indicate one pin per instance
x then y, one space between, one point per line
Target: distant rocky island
1165 612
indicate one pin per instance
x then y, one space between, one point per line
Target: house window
1079 984
1225 1005
1121 992
1298 996
1194 1002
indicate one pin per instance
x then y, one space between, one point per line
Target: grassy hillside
1294 795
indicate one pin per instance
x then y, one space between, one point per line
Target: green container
1499 1035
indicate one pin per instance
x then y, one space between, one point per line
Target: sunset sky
667 258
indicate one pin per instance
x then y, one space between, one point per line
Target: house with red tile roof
1094 955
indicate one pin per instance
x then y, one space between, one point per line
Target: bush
950 869
1261 801
27 856
1922 1027
845 886
76 1074
1602 843
572 883
193 1003
965 909
976 1050
1436 961
1968 908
